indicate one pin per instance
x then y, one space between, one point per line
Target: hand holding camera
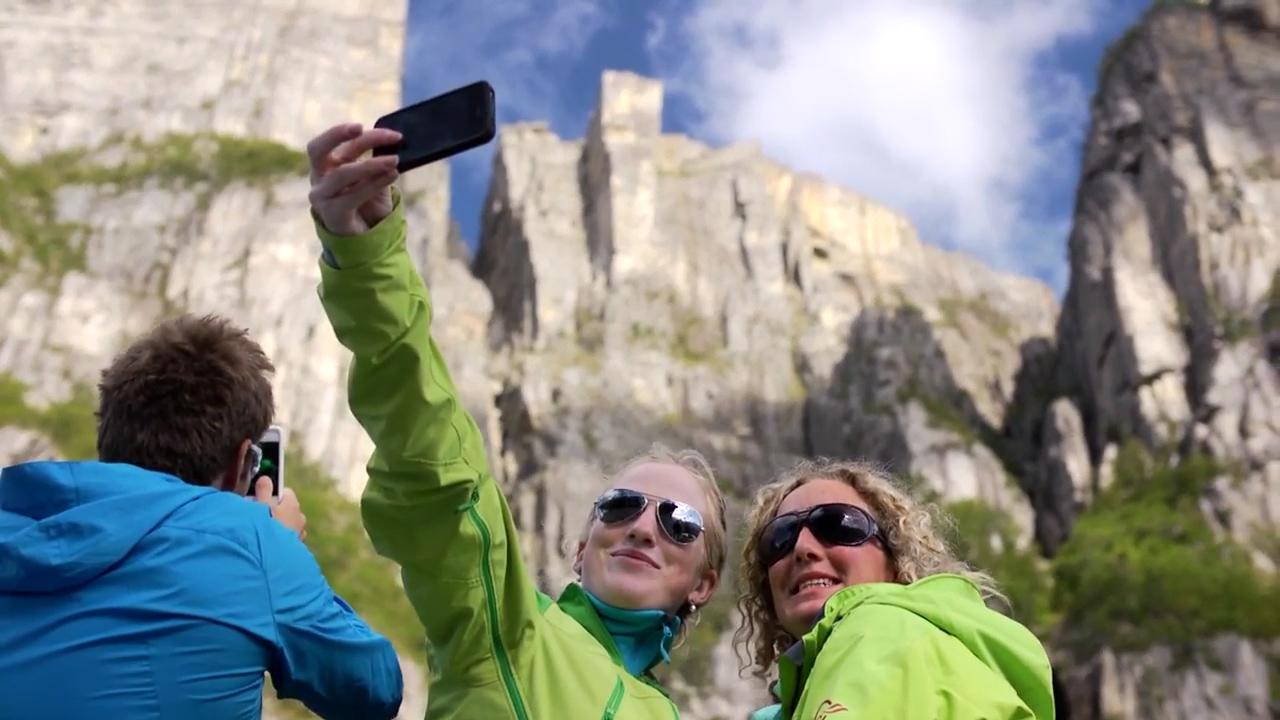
285 509
351 193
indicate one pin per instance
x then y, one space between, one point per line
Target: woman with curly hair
849 589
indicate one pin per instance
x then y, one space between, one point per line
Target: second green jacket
930 650
499 648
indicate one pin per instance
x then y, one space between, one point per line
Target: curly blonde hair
715 532
915 548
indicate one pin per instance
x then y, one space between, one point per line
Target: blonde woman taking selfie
653 542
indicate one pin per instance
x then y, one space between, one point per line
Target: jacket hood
954 605
63 524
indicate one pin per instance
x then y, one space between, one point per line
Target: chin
620 593
803 612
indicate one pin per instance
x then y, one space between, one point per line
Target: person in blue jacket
146 585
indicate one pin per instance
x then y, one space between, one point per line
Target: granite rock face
1226 680
73 75
1167 333
633 286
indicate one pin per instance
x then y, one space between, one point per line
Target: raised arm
431 503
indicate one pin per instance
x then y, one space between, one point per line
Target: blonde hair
915 548
715 532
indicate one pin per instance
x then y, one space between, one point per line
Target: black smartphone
271 461
445 125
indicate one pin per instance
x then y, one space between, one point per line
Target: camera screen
270 463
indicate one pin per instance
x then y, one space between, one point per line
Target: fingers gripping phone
270 460
440 127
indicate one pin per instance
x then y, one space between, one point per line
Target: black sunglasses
830 523
681 522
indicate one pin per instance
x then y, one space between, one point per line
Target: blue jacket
126 593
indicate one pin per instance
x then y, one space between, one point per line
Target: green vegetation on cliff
955 309
986 538
1271 310
29 222
29 213
369 582
179 160
69 425
1143 566
943 414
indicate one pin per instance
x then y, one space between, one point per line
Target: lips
811 580
635 555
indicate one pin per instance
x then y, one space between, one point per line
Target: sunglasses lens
616 506
840 525
682 523
778 539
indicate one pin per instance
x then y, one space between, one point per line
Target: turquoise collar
643 637
635 639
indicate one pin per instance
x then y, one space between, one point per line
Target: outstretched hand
286 509
351 193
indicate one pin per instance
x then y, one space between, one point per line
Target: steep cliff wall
1167 349
634 286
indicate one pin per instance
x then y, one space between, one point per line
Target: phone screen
270 463
442 126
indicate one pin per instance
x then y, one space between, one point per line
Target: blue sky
966 115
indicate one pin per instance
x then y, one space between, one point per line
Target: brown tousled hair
181 399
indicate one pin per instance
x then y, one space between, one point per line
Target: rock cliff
633 286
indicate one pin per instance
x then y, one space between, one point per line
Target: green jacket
499 648
930 650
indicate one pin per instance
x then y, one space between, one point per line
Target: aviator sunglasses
830 523
680 522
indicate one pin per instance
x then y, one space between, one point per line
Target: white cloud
944 109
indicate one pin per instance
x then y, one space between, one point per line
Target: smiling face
801 582
633 564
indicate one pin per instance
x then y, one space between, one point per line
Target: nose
807 546
645 527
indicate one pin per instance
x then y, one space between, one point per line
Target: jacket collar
796 661
573 602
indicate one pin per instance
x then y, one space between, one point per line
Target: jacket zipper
615 700
491 607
